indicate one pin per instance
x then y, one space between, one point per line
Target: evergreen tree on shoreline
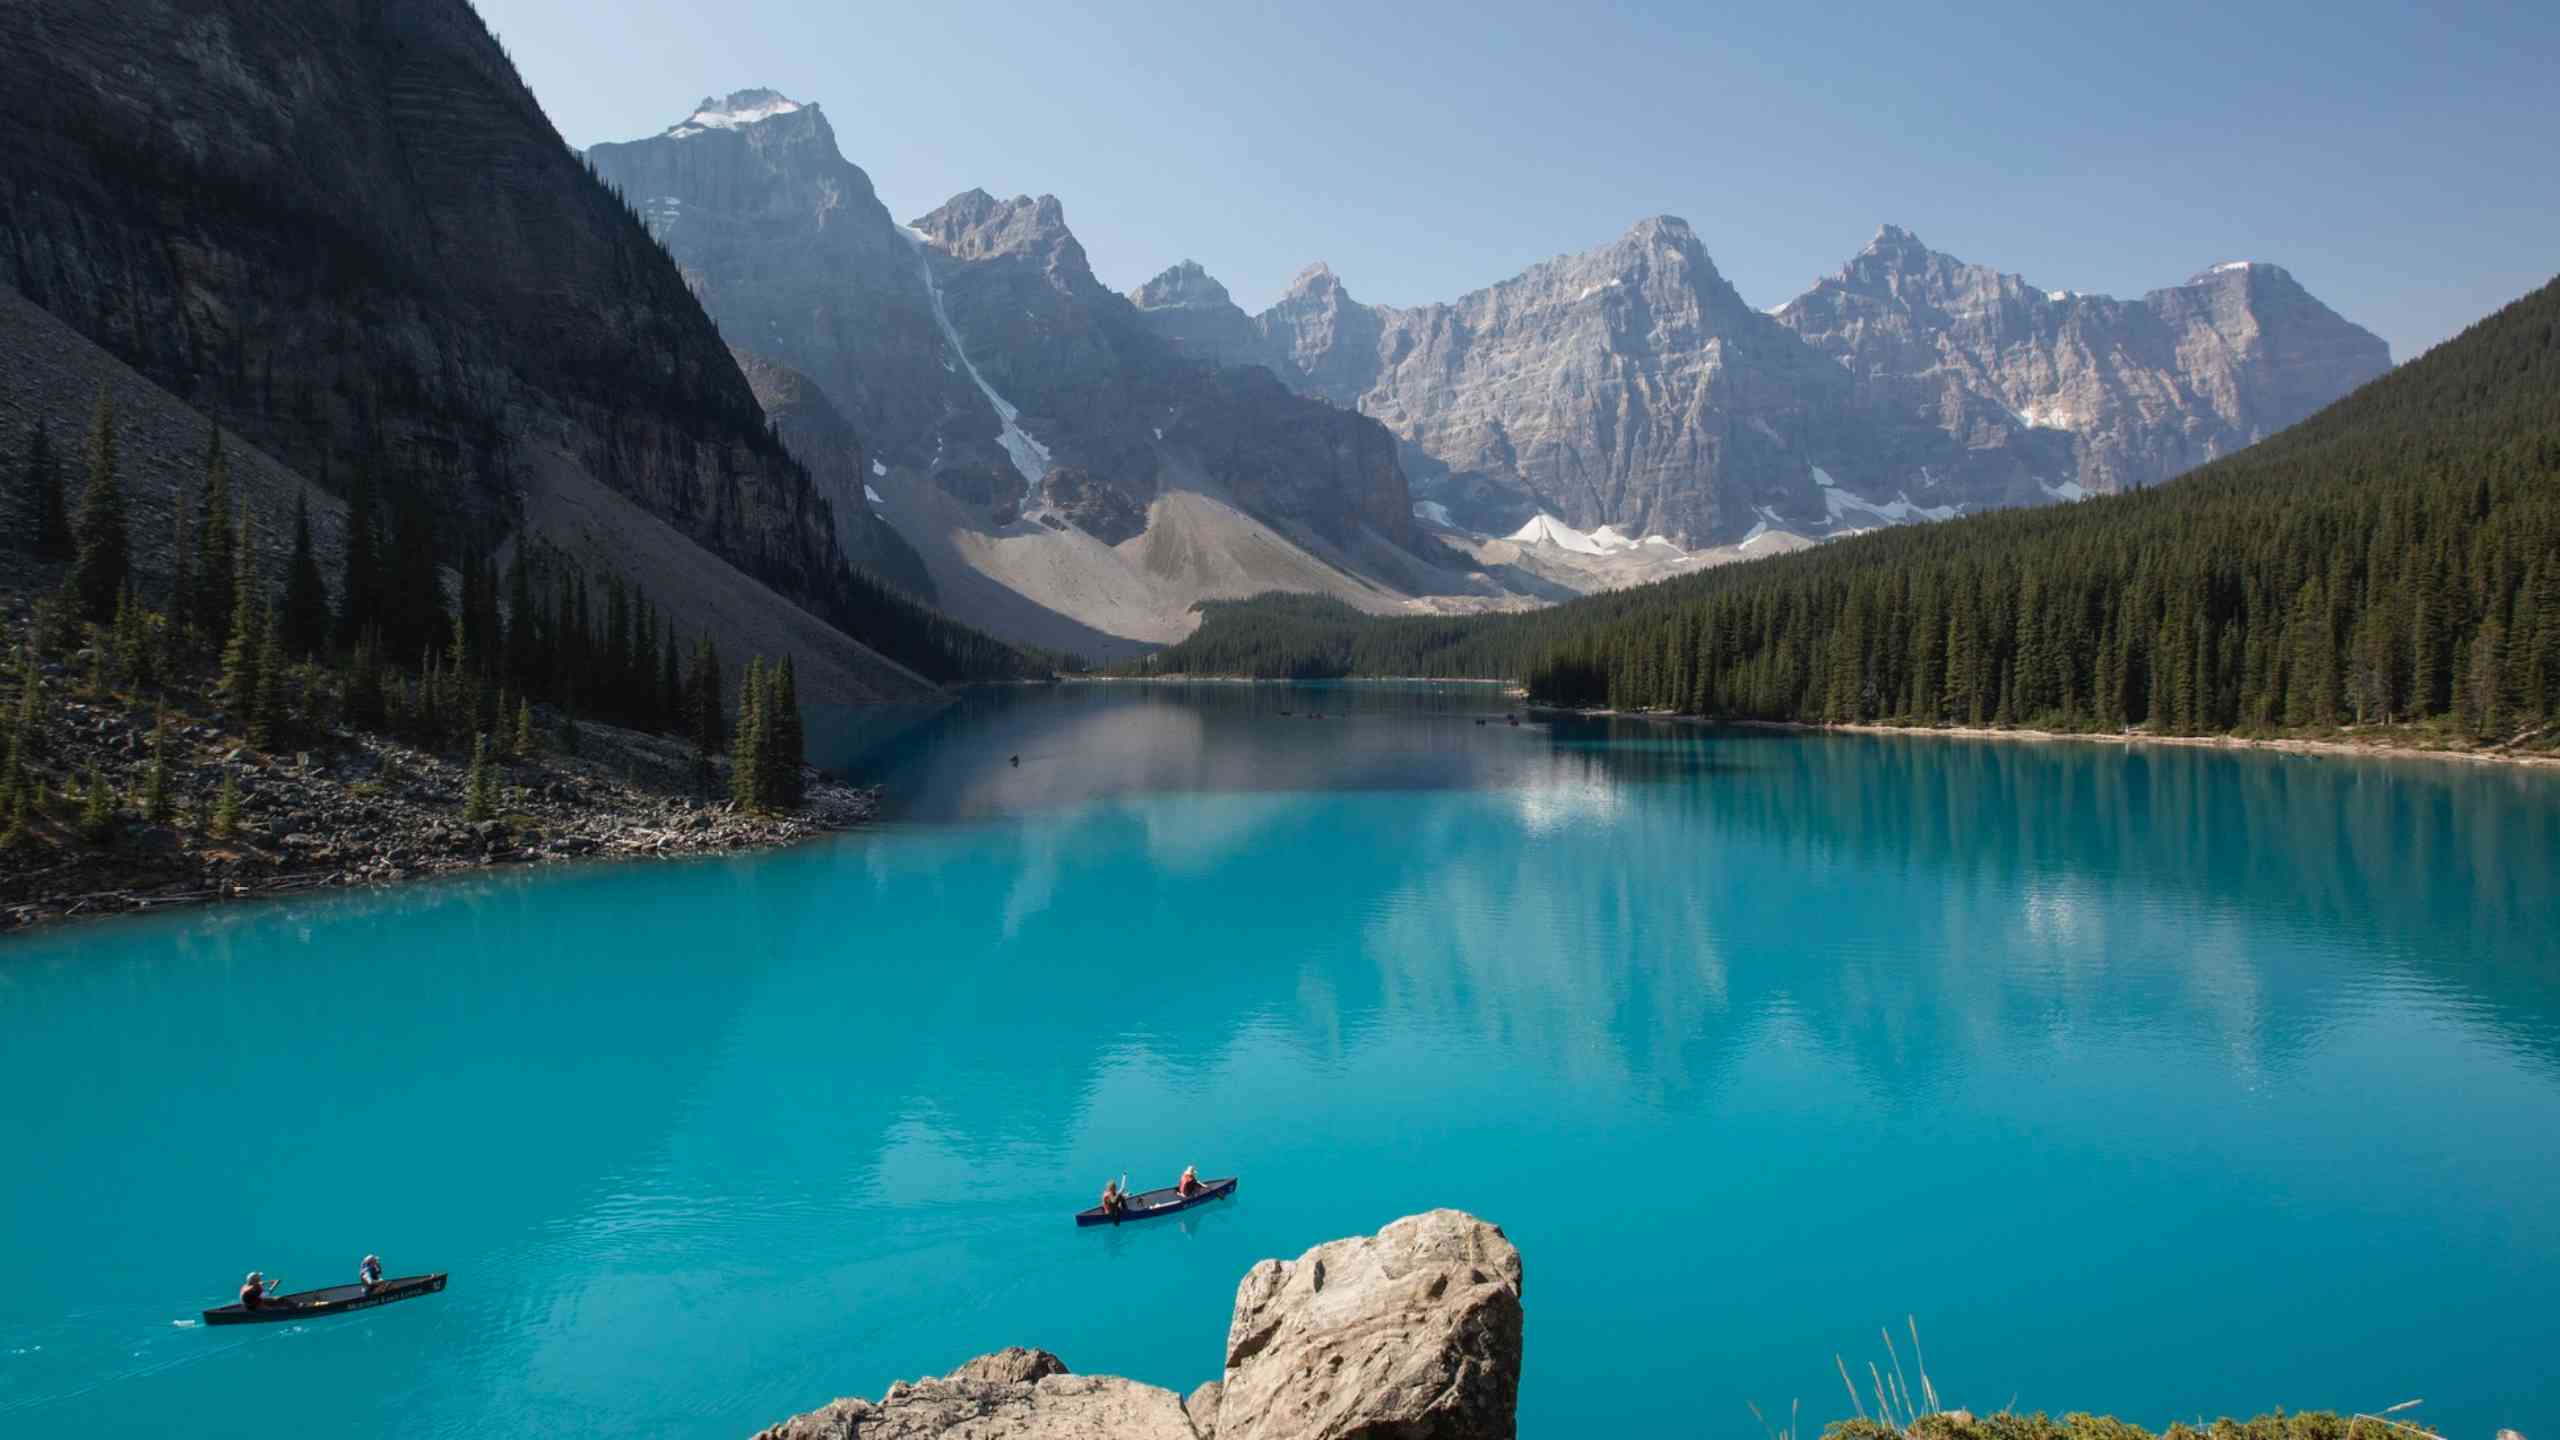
103 563
306 598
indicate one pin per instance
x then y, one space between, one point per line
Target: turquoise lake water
2165 1083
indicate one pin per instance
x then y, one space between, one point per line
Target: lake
2169 1082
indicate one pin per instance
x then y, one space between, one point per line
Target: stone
1011 1395
1202 1406
1414 1332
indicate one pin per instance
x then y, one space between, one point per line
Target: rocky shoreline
2375 749
358 808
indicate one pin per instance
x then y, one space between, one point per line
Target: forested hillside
2394 560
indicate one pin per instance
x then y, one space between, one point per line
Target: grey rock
1630 386
1414 1332
2108 394
1013 1395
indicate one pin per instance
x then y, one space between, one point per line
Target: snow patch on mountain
1548 530
1029 456
1899 511
2067 490
1433 511
747 107
879 469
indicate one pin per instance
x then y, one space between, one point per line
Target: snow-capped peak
2227 266
745 107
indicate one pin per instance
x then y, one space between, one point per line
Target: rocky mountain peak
2244 272
1316 280
974 225
738 108
1186 284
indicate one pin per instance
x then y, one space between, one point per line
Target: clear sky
2400 160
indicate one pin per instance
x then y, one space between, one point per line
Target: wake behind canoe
335 1300
1150 1204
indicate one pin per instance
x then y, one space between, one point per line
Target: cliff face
1412 1332
2091 391
1630 386
345 229
790 248
817 432
1104 390
1009 407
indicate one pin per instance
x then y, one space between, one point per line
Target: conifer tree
783 704
479 787
97 808
103 562
50 524
240 651
216 565
225 821
306 598
528 744
702 691
747 752
267 716
155 791
132 638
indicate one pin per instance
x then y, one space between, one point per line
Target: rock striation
1021 422
1413 1333
1630 386
348 234
2084 390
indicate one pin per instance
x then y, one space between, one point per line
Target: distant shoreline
2368 749
1283 680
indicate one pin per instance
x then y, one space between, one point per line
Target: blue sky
2399 160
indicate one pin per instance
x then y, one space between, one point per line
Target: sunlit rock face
1630 386
1414 1332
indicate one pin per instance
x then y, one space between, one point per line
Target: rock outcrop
1413 1333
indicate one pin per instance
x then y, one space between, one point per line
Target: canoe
336 1300
1151 1204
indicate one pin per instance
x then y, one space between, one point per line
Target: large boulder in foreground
1412 1333
1011 1395
1409 1334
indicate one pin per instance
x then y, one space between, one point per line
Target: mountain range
1082 468
1632 387
711 363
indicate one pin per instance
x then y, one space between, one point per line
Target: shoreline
1512 686
2364 749
362 810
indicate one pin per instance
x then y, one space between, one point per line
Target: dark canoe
336 1300
1149 1204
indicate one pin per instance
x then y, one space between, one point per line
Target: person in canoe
1189 1185
253 1291
369 1274
1113 1202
